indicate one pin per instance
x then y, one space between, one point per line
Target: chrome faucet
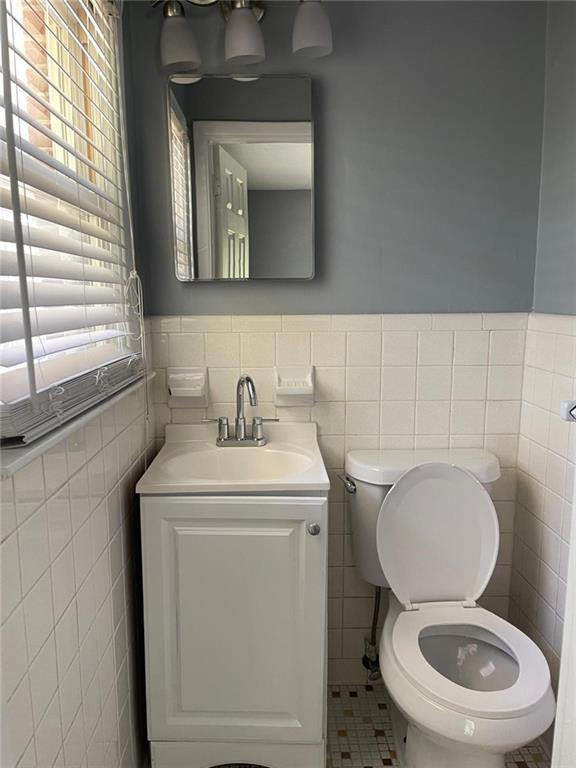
240 438
240 423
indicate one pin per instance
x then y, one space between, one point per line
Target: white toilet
468 686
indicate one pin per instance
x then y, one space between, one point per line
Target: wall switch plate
568 410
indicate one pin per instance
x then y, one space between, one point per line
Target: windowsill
13 459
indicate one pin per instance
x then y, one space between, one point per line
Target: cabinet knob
313 529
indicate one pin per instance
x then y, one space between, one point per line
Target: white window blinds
70 309
181 191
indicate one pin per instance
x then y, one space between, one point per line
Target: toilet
466 685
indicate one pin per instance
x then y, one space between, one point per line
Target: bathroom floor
360 731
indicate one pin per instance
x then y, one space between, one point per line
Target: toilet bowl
468 686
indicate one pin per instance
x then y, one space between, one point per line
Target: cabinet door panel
235 618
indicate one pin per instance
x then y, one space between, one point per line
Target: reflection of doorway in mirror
231 207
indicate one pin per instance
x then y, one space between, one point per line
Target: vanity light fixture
243 39
312 33
179 51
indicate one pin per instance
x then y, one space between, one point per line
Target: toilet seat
523 695
437 535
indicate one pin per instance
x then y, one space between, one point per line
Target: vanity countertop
190 462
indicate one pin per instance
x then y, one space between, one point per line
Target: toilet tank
374 472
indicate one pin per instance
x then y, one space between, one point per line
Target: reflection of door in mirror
181 192
231 206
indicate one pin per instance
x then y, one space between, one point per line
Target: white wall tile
34 548
507 347
222 350
432 418
471 347
505 321
257 349
468 417
292 349
356 322
10 574
362 418
455 321
399 348
29 491
397 418
469 382
398 383
14 655
306 322
505 382
435 348
329 348
202 323
364 348
186 349
256 323
416 322
43 679
434 383
363 384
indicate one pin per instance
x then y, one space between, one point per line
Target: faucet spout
243 382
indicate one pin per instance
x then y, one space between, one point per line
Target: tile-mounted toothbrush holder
294 386
187 387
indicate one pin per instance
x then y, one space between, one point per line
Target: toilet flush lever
349 485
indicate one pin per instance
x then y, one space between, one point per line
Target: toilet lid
437 535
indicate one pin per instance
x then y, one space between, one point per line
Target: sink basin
273 461
190 462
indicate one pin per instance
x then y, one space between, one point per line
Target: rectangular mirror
242 178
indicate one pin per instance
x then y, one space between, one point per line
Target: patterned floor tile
360 731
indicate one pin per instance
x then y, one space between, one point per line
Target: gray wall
280 222
428 132
555 285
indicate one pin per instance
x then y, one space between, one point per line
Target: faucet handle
223 429
257 431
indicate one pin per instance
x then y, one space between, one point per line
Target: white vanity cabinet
235 629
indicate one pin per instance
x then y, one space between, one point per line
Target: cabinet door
235 615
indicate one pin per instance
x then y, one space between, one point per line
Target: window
70 309
181 185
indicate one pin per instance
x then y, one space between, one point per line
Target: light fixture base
227 6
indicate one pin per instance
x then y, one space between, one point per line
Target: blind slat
40 238
28 150
42 263
47 294
54 212
64 186
14 353
57 320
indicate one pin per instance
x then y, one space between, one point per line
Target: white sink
190 462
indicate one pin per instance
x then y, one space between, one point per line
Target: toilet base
423 752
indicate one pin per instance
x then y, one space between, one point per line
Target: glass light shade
178 47
312 33
243 42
